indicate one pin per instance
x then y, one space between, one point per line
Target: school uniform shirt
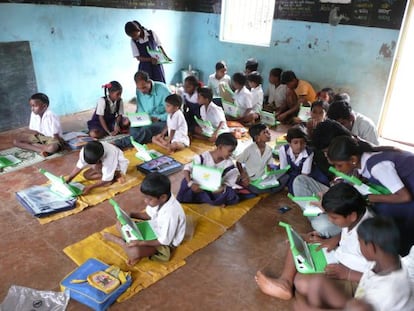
168 222
384 171
176 121
280 95
243 100
213 83
271 93
257 98
112 160
392 291
255 162
47 125
101 104
215 115
229 178
284 162
304 88
348 252
364 128
193 98
154 102
134 48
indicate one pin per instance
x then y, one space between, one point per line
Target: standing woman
141 38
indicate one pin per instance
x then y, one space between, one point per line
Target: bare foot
132 262
113 238
279 288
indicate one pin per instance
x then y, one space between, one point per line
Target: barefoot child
177 129
45 132
384 286
166 217
108 164
346 208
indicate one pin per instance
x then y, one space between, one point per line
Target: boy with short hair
346 208
219 77
166 217
385 286
341 111
107 161
45 132
176 128
219 158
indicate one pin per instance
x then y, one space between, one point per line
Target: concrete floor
218 277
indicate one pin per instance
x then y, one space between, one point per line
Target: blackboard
17 84
207 6
370 13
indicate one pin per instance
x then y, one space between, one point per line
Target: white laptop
209 178
231 109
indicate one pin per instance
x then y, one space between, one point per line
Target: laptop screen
301 247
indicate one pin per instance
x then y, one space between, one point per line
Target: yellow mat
209 224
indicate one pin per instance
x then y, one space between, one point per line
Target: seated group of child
366 246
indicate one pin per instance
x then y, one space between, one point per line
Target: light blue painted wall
77 49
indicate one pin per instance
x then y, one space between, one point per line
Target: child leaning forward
190 191
166 217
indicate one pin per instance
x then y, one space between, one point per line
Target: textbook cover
40 201
164 165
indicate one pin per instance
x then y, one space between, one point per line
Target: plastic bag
24 298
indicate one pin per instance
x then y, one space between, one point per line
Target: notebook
40 201
163 164
270 179
139 119
8 160
61 187
363 188
231 109
307 259
132 230
305 203
209 178
143 153
268 118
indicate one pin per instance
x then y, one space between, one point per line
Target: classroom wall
77 49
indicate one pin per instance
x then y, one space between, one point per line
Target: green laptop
307 259
132 230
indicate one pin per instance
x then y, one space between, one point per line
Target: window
398 112
247 21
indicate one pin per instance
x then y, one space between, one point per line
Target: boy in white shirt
346 208
242 99
255 80
209 111
45 132
384 286
217 78
166 217
107 161
176 128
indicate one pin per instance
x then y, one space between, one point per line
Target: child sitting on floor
107 118
256 158
242 99
209 111
385 286
191 107
166 217
296 154
346 208
45 132
254 81
176 127
108 164
217 78
318 112
219 158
